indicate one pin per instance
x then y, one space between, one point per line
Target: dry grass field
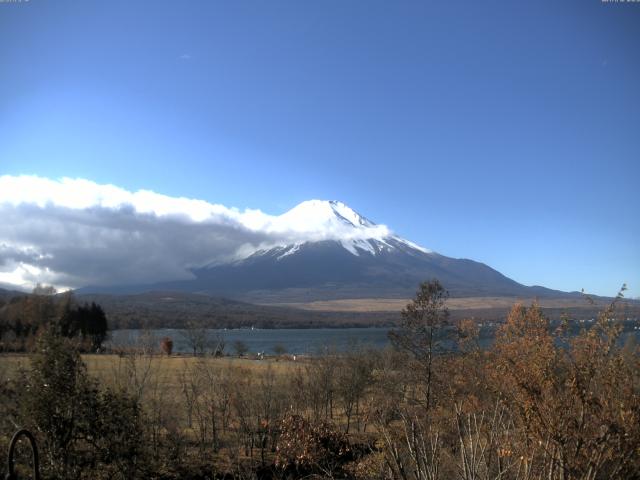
468 303
176 392
159 372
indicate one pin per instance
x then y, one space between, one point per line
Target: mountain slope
336 253
179 310
326 269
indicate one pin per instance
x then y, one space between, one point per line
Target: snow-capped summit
314 213
329 220
319 218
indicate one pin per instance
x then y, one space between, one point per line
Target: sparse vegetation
240 347
540 404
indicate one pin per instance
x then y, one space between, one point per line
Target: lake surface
292 340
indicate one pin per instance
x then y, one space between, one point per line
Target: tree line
23 318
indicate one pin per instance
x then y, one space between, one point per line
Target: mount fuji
329 251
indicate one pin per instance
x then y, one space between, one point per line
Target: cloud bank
74 232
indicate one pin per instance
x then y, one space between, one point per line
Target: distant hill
180 310
9 293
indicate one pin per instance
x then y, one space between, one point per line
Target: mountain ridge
337 253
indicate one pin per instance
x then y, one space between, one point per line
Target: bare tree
421 330
240 347
279 349
353 377
195 334
218 345
189 389
321 385
413 452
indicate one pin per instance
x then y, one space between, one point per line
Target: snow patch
320 220
289 250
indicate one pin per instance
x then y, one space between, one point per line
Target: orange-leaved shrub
574 399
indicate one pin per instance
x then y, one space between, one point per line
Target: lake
293 340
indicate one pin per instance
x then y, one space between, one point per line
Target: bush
577 399
166 345
78 425
311 448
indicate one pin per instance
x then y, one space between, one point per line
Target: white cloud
74 232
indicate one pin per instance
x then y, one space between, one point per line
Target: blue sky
505 132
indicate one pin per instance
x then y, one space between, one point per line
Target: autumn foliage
575 399
310 447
